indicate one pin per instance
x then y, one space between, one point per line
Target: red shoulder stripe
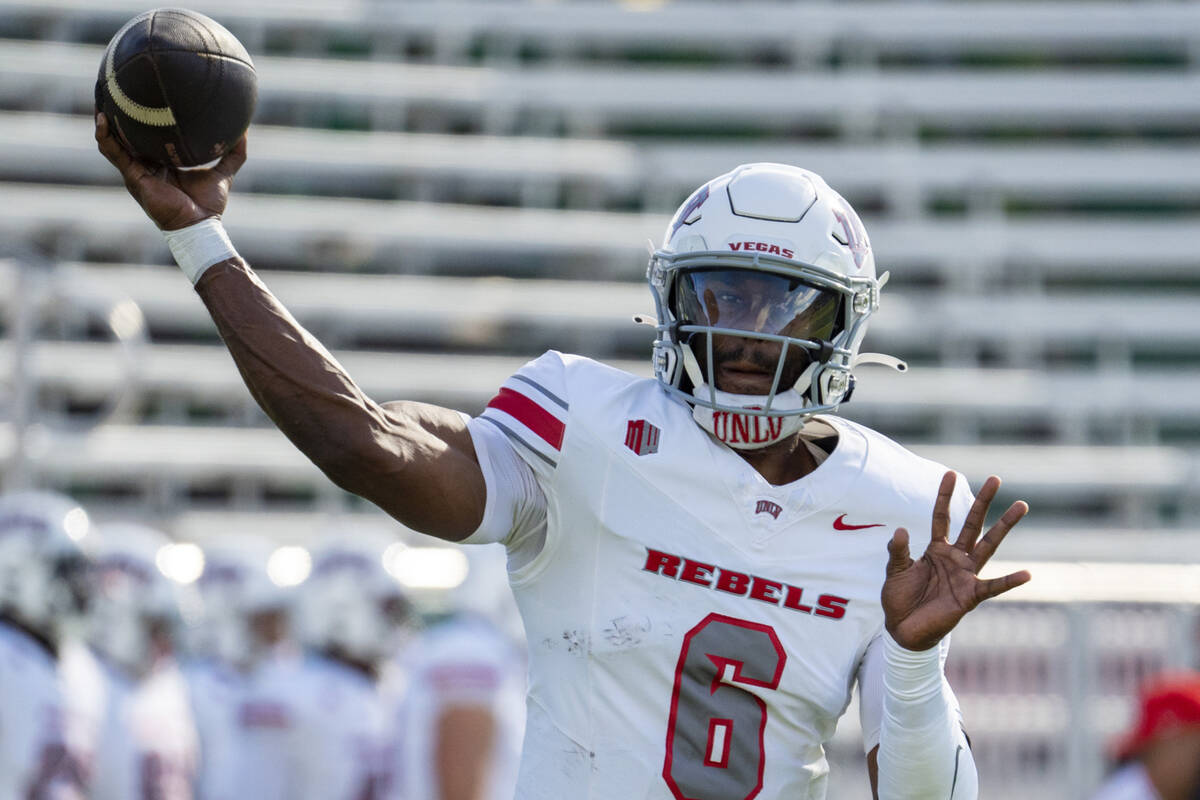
531 415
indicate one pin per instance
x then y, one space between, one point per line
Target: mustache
752 355
764 358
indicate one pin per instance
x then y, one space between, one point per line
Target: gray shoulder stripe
543 390
512 435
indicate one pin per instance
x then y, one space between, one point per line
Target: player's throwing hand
923 600
173 199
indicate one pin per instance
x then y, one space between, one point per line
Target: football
177 87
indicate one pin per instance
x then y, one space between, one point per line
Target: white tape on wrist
197 247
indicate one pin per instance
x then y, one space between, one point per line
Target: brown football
177 88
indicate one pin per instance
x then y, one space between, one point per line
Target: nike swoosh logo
839 525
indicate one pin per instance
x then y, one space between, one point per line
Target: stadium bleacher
441 189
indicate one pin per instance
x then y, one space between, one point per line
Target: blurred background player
256 643
41 566
355 618
1159 758
145 742
459 725
244 620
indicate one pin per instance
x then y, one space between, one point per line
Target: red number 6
715 732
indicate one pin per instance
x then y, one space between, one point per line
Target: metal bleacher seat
181 459
788 30
596 316
519 170
403 236
592 100
325 233
179 378
529 169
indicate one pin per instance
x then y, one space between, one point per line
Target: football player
355 618
145 742
244 619
1158 758
699 559
459 723
41 592
269 704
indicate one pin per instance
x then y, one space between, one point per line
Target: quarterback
699 558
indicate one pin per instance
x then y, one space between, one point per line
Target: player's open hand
172 198
923 600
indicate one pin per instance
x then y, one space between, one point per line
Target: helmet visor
756 302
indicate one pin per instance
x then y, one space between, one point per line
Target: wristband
197 247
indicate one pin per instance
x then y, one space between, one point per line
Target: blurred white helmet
42 564
350 604
233 586
134 607
778 264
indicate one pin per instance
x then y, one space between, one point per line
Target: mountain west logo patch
641 437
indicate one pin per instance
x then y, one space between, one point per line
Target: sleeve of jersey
517 441
870 689
531 409
923 750
472 682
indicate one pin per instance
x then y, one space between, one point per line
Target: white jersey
85 687
268 720
147 748
465 661
215 692
34 761
310 729
343 736
693 630
1130 782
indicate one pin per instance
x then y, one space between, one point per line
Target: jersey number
715 732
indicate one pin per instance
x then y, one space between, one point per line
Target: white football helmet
233 586
134 609
776 263
350 604
42 563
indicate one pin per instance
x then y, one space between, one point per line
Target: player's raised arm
415 461
923 751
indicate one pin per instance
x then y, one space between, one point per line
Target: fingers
941 507
108 145
990 588
995 535
898 555
977 516
131 169
233 160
